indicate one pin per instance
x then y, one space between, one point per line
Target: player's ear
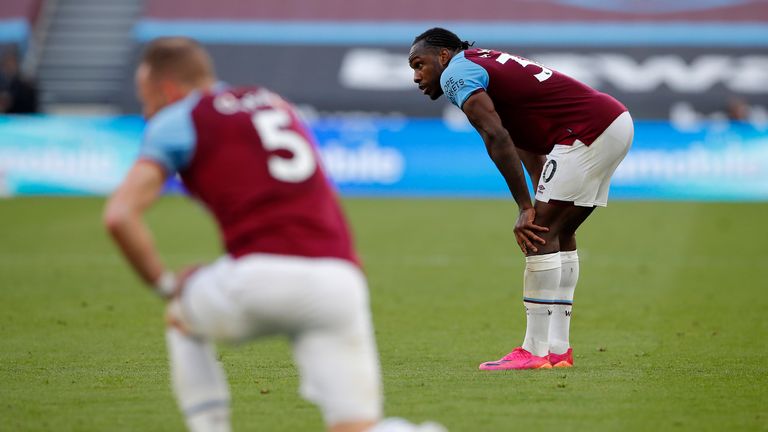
171 90
444 56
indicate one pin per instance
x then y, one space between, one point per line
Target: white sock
542 277
198 382
560 324
395 424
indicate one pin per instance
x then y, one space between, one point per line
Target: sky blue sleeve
462 78
170 138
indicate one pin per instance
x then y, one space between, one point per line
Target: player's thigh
206 308
561 218
336 352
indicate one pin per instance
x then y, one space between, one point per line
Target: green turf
670 325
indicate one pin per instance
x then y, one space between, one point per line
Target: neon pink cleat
517 359
562 360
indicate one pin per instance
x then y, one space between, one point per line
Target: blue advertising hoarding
66 155
54 155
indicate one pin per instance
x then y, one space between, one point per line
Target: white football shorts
582 174
321 304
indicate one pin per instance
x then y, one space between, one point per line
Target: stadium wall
397 158
654 82
663 59
453 10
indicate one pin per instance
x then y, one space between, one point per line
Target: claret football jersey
246 155
540 107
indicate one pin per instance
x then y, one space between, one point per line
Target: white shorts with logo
321 304
582 174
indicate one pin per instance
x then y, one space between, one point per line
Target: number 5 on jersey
271 126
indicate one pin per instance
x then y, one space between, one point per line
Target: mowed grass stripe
669 323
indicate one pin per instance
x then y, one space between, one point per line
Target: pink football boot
562 360
517 359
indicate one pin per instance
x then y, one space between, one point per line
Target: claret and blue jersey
246 155
170 137
539 107
462 78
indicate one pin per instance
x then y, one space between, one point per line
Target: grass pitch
670 329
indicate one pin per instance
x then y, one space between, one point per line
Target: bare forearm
483 116
534 163
536 175
502 152
135 242
123 218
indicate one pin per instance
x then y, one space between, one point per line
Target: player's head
169 69
430 53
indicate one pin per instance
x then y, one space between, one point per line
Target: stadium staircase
83 50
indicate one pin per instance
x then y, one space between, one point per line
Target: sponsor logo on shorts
549 170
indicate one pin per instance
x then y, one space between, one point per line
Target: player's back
256 168
541 107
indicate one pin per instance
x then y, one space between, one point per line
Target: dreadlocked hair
441 38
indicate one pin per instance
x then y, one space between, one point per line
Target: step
87 37
81 86
77 98
94 14
98 7
86 48
89 109
84 61
114 24
76 72
105 49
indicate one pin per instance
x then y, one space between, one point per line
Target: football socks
560 323
199 383
542 278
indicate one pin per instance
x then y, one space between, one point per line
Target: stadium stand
85 51
440 10
336 56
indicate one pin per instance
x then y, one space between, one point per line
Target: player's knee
356 426
174 318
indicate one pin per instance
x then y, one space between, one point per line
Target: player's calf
562 307
198 382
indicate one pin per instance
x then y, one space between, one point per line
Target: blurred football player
290 266
570 138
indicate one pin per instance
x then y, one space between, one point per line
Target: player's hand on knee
173 313
170 284
173 316
525 231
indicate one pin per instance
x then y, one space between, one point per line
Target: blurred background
694 74
670 304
